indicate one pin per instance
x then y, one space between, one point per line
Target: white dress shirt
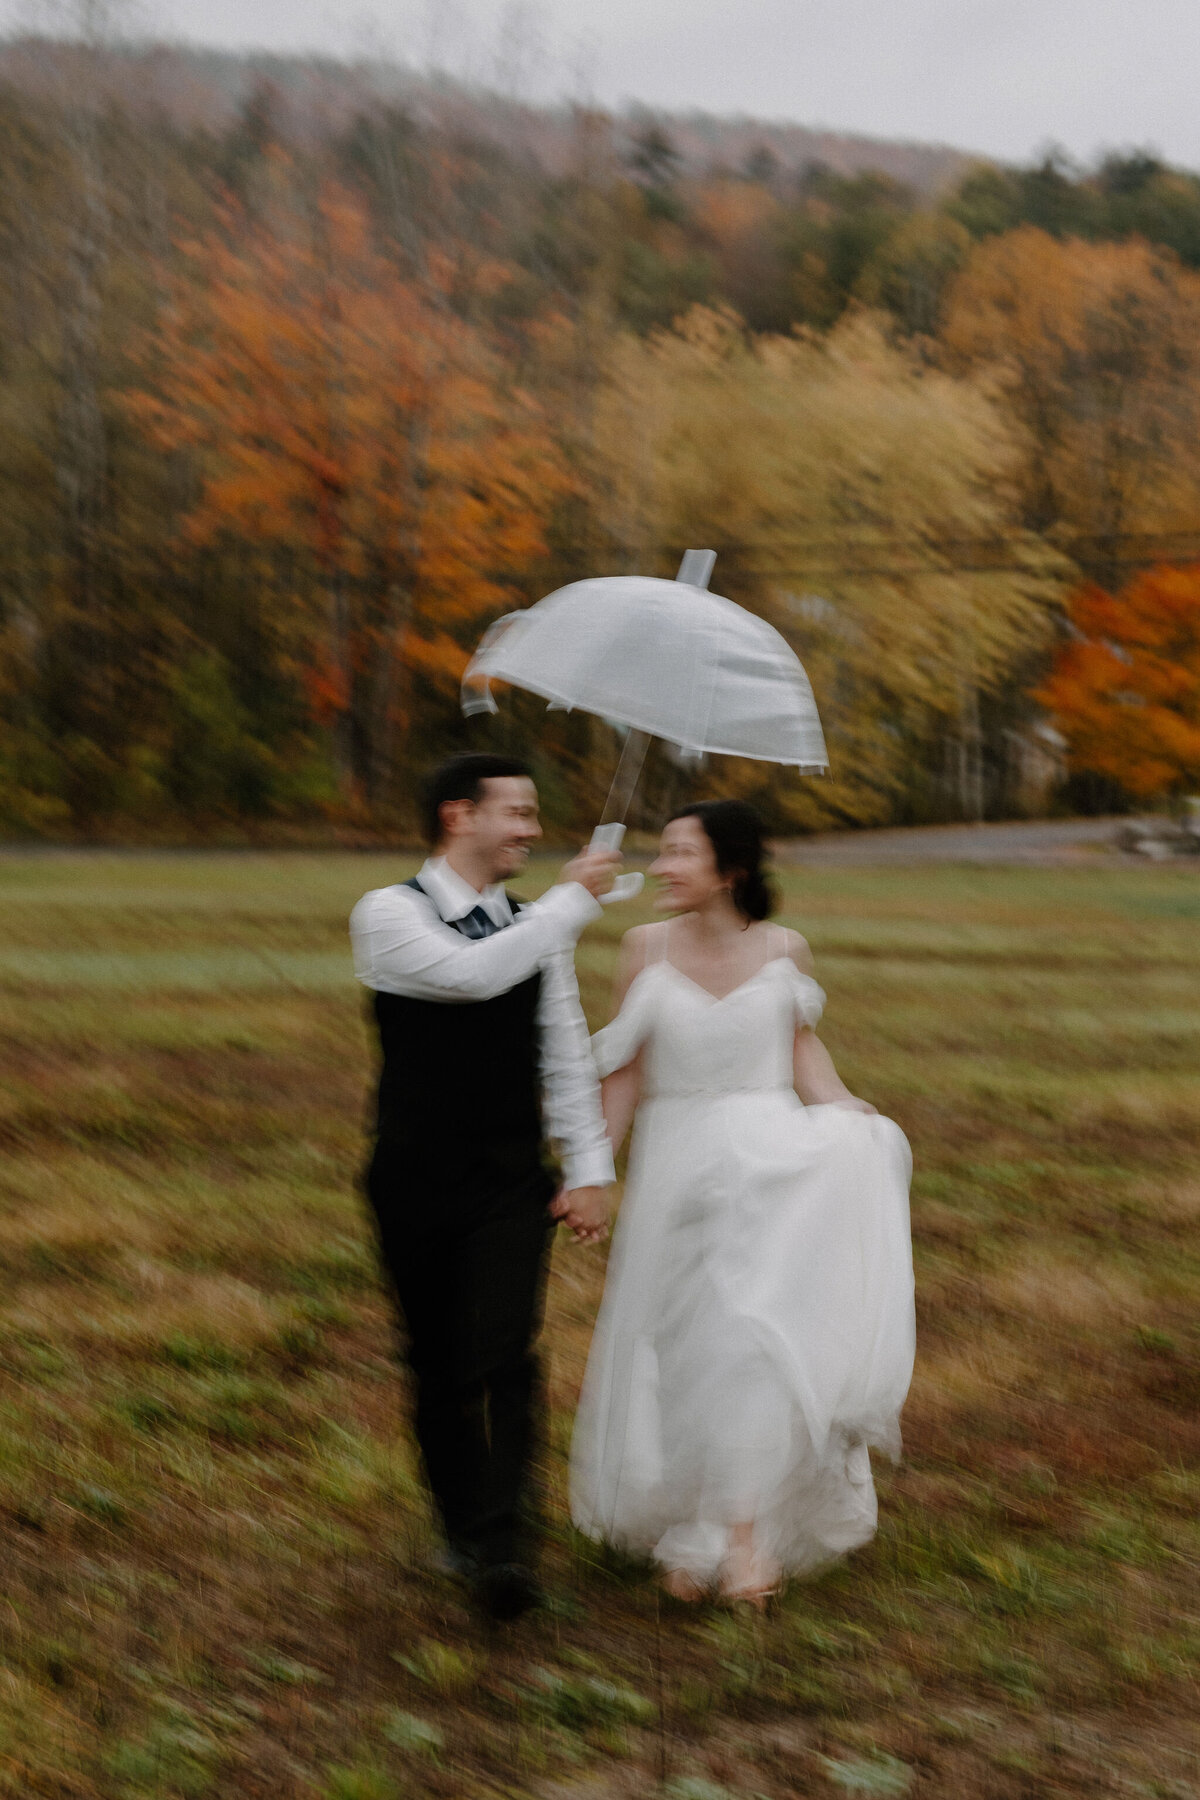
403 944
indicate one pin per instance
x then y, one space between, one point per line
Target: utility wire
991 540
975 556
816 573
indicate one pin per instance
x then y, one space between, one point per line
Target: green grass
215 1578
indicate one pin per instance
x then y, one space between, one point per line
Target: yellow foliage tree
837 478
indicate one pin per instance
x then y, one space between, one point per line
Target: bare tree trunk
382 724
970 756
82 453
331 526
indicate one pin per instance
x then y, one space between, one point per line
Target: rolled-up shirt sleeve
570 1090
402 946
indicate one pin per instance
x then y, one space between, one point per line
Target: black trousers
467 1251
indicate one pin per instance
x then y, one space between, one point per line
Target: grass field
214 1545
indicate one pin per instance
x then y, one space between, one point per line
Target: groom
484 1054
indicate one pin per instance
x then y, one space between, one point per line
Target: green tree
912 270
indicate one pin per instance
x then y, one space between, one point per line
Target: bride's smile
687 870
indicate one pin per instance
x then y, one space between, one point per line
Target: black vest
460 1080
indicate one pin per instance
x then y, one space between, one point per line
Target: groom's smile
490 838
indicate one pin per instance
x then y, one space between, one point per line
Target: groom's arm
570 1088
402 945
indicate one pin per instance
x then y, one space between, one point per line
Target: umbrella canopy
663 657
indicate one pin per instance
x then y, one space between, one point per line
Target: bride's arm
621 1091
619 1096
813 1075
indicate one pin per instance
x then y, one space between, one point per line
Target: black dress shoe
460 1565
507 1590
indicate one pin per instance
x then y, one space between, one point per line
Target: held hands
593 869
584 1211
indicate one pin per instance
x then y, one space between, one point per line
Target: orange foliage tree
348 420
1126 690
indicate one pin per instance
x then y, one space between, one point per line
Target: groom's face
504 823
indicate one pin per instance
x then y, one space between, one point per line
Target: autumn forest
297 398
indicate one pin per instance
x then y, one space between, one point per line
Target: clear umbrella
665 658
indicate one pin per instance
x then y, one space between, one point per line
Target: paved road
1040 841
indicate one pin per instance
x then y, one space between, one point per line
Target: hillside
315 96
310 371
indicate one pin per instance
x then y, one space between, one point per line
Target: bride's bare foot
748 1575
681 1586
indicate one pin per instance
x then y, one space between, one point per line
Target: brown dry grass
216 1577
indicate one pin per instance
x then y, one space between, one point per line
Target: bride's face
686 865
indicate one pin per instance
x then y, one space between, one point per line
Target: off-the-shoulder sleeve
809 997
619 1042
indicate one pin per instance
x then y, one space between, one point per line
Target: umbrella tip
697 567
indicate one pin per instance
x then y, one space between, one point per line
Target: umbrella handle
625 887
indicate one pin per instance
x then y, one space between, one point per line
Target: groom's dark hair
461 778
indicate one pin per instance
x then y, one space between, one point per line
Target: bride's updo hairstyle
735 832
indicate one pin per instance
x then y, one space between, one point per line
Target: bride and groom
756 1330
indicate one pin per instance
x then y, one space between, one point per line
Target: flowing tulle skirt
756 1332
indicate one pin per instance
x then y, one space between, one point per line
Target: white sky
1004 77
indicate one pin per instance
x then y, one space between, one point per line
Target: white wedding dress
756 1332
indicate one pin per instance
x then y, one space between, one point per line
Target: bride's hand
584 1211
854 1104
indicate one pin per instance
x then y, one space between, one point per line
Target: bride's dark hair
735 832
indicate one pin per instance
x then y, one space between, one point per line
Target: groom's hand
584 1211
596 870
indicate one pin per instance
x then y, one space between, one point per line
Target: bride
756 1332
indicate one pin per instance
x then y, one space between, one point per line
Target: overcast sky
1005 77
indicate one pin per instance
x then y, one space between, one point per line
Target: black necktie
478 923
